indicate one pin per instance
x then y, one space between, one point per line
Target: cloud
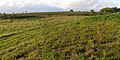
31 8
50 5
78 3
101 5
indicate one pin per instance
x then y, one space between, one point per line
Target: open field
46 14
61 38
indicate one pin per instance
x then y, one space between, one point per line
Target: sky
9 6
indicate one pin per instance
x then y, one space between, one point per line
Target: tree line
91 12
110 10
105 10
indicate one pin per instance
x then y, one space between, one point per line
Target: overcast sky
54 5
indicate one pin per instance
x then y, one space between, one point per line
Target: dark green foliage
92 11
4 13
71 10
110 10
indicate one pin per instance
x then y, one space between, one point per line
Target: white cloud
42 5
78 3
105 4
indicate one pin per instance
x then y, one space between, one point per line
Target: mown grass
61 38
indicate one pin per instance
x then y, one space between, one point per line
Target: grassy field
46 14
61 38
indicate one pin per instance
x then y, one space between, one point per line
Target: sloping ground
61 38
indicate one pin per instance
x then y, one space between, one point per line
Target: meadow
66 37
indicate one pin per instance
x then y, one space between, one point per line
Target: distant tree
25 11
118 9
4 13
13 12
115 9
107 10
22 12
71 10
92 11
110 10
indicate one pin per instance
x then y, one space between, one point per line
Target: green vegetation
61 38
110 10
20 16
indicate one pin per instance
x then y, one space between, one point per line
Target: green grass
61 38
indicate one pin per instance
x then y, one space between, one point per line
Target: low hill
61 38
